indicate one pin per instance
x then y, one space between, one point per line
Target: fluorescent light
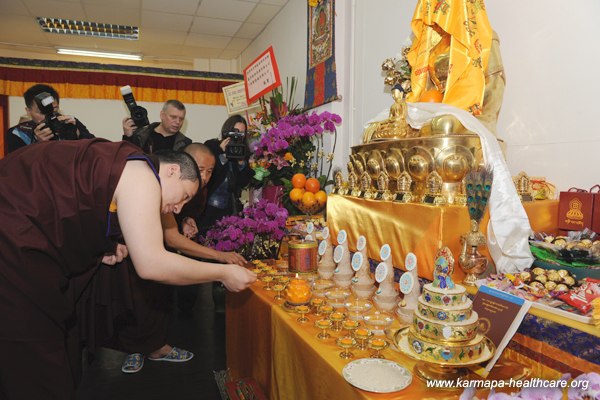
86 53
86 28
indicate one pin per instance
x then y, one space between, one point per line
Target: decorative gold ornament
338 182
523 184
365 186
383 192
478 186
470 260
403 193
434 190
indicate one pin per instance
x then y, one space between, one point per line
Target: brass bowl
419 163
374 164
453 163
394 163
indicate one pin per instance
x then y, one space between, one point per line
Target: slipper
175 355
133 363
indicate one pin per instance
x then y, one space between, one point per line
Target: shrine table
267 343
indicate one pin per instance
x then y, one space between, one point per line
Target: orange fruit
296 195
432 96
298 181
312 185
321 197
308 199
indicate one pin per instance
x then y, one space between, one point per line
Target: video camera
60 130
236 148
139 114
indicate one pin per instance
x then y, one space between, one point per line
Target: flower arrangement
256 233
398 71
294 144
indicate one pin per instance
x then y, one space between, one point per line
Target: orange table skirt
418 228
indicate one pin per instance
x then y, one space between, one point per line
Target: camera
139 114
60 130
236 148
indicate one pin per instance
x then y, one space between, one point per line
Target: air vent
85 28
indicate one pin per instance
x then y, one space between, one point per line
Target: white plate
377 375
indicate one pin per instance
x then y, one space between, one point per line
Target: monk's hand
120 253
237 278
232 258
189 228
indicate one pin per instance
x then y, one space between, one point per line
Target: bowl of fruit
306 194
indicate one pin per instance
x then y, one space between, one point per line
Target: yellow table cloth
267 343
418 228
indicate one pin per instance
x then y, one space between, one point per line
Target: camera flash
125 90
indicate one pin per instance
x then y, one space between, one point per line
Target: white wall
550 103
104 117
287 34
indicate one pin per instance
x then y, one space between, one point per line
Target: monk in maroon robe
54 206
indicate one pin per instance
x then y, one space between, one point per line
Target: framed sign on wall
261 76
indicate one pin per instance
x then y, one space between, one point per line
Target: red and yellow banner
99 81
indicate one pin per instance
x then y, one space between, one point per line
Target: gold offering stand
419 165
446 351
429 369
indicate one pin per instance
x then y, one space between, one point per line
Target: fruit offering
307 194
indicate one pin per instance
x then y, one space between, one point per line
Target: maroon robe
54 202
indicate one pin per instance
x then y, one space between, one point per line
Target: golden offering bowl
346 343
446 125
377 344
394 163
283 279
362 335
337 317
317 302
302 310
323 324
350 325
278 287
257 271
327 309
267 279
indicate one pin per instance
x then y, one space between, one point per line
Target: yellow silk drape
418 228
466 34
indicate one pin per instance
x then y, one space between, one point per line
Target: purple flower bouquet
256 233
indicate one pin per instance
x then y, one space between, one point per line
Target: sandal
175 355
133 363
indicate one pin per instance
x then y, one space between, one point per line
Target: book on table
500 315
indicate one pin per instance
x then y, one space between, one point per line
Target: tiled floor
202 332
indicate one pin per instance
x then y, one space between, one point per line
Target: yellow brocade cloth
418 228
267 343
460 29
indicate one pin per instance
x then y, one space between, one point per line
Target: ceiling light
86 28
86 53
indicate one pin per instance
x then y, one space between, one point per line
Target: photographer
163 135
231 173
36 129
